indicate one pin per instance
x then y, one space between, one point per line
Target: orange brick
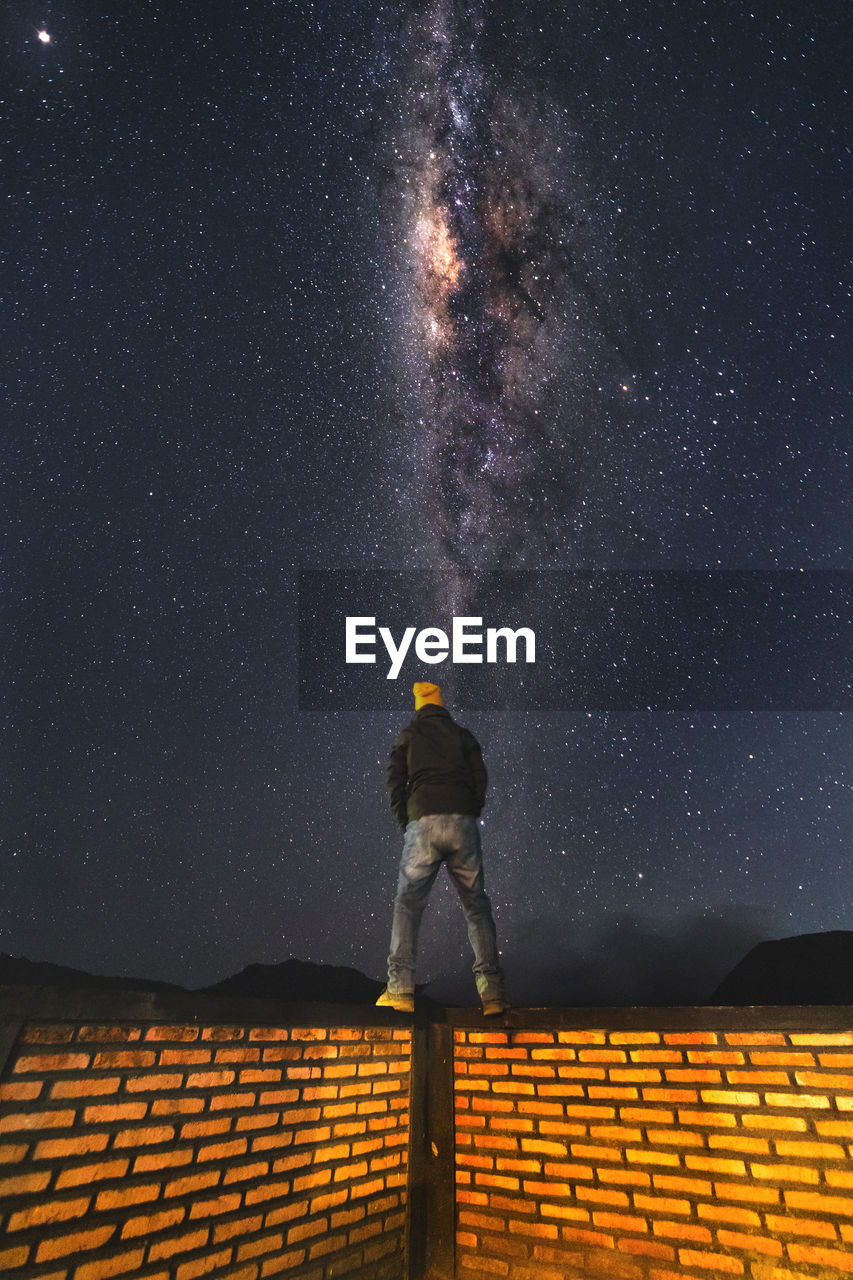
215 1206
215 1079
599 1195
205 1128
646 1115
822 1039
647 1248
716 1119
619 1221
184 1057
181 1244
754 1037
62 1246
222 1150
690 1037
585 1236
742 1191
103 1269
19 1120
584 1152
635 1075
47 1211
271 1191
785 1172
274 1033
11 1153
154 1083
565 1211
243 1172
63 1148
801 1227
839 1178
729 1213
660 1204
669 1056
641 1156
286 1213
710 1261
670 1095
109 1113
297 1161
21 1091
715 1164
682 1231
817 1203
176 1106
791 1124
112 1058
118 1198
55 1033
144 1224
751 1243
304 1230
144 1137
689 1186
319 1033
15 1257
52 1062
624 1177
730 1097
820 1256
693 1075
111 1033
738 1142
815 1101
758 1077
161 1160
91 1086
675 1137
24 1183
284 1262
174 1032
193 1182
202 1266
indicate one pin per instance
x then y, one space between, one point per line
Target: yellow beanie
425 693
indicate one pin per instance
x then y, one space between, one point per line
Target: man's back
435 766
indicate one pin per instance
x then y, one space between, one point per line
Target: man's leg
465 864
419 866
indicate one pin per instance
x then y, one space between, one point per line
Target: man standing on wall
437 787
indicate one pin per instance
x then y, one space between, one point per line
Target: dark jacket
435 766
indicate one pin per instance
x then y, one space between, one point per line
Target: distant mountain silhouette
300 981
811 968
292 982
17 971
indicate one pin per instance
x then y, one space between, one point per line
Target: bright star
44 36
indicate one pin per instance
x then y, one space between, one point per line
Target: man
437 787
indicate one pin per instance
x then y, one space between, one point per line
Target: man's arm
398 780
479 776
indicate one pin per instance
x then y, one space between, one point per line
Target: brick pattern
654 1155
174 1152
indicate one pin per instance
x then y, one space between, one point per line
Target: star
44 36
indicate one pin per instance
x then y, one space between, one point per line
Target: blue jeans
453 838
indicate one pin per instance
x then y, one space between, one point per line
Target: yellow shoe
403 1001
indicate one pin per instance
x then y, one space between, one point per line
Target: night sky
438 290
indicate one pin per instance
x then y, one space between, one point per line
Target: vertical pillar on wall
431 1233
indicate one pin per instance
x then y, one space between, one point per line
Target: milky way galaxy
500 326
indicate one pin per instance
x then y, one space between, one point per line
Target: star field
440 288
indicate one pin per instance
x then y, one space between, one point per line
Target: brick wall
655 1155
168 1152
